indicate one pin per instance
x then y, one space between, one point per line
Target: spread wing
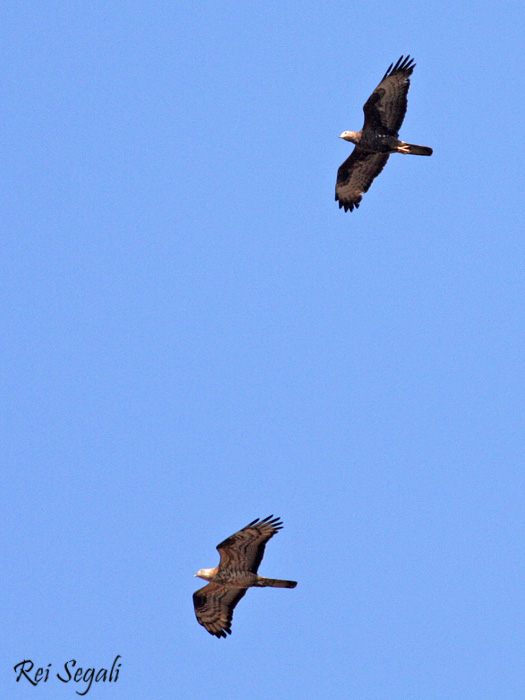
214 605
355 176
387 105
245 549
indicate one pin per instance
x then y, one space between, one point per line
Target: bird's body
384 113
241 555
371 142
242 579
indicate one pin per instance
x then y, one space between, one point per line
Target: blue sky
194 335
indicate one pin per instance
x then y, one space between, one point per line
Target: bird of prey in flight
241 555
384 113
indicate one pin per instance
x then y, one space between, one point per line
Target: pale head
352 136
206 574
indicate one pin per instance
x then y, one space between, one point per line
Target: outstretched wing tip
404 64
276 522
347 206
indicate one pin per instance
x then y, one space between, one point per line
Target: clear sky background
194 335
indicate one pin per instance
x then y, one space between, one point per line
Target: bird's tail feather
275 582
414 150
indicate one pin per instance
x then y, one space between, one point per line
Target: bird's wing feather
387 105
245 549
355 176
214 605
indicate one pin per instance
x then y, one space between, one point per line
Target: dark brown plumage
241 555
384 113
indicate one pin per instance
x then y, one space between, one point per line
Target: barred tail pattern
275 583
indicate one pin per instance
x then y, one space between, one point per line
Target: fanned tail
275 583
